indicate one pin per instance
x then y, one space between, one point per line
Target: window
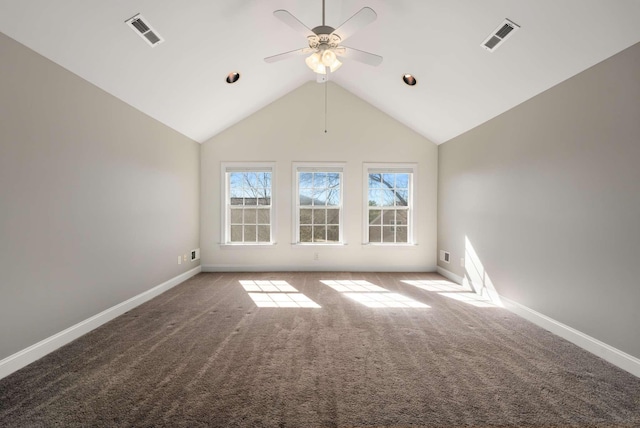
248 216
318 210
389 200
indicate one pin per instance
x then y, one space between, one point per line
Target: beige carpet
204 354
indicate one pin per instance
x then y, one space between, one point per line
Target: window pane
376 196
319 216
306 196
388 217
251 201
305 233
250 179
236 216
250 233
373 201
264 179
333 233
375 217
401 217
333 216
250 216
235 179
319 233
389 180
388 234
236 233
375 181
306 179
319 197
320 179
236 192
388 197
401 234
305 216
264 233
333 179
402 198
264 200
402 181
264 216
375 234
333 197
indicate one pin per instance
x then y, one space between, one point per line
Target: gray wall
97 199
548 196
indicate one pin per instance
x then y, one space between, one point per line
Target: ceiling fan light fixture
314 62
320 61
328 57
335 65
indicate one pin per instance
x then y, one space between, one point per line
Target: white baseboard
450 275
606 352
313 268
34 352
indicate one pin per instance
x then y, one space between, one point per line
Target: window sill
317 244
245 246
388 244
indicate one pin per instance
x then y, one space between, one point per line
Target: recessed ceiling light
233 77
409 79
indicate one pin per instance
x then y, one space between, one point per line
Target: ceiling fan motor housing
324 38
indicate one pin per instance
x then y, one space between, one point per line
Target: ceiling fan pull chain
325 105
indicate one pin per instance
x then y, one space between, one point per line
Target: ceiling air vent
499 35
142 28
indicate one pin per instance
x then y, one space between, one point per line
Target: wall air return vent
499 35
142 28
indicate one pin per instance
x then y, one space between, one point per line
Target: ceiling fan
325 42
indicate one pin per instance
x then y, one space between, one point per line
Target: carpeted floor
204 354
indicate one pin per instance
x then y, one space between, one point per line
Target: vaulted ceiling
181 82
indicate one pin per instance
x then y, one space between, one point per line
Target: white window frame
333 167
410 168
229 167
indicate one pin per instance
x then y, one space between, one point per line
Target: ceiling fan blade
358 55
287 55
363 17
293 22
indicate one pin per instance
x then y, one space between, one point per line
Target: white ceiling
181 82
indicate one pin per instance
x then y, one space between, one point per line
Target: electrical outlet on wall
179 260
461 261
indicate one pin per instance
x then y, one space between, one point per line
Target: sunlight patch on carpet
371 295
276 294
453 291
